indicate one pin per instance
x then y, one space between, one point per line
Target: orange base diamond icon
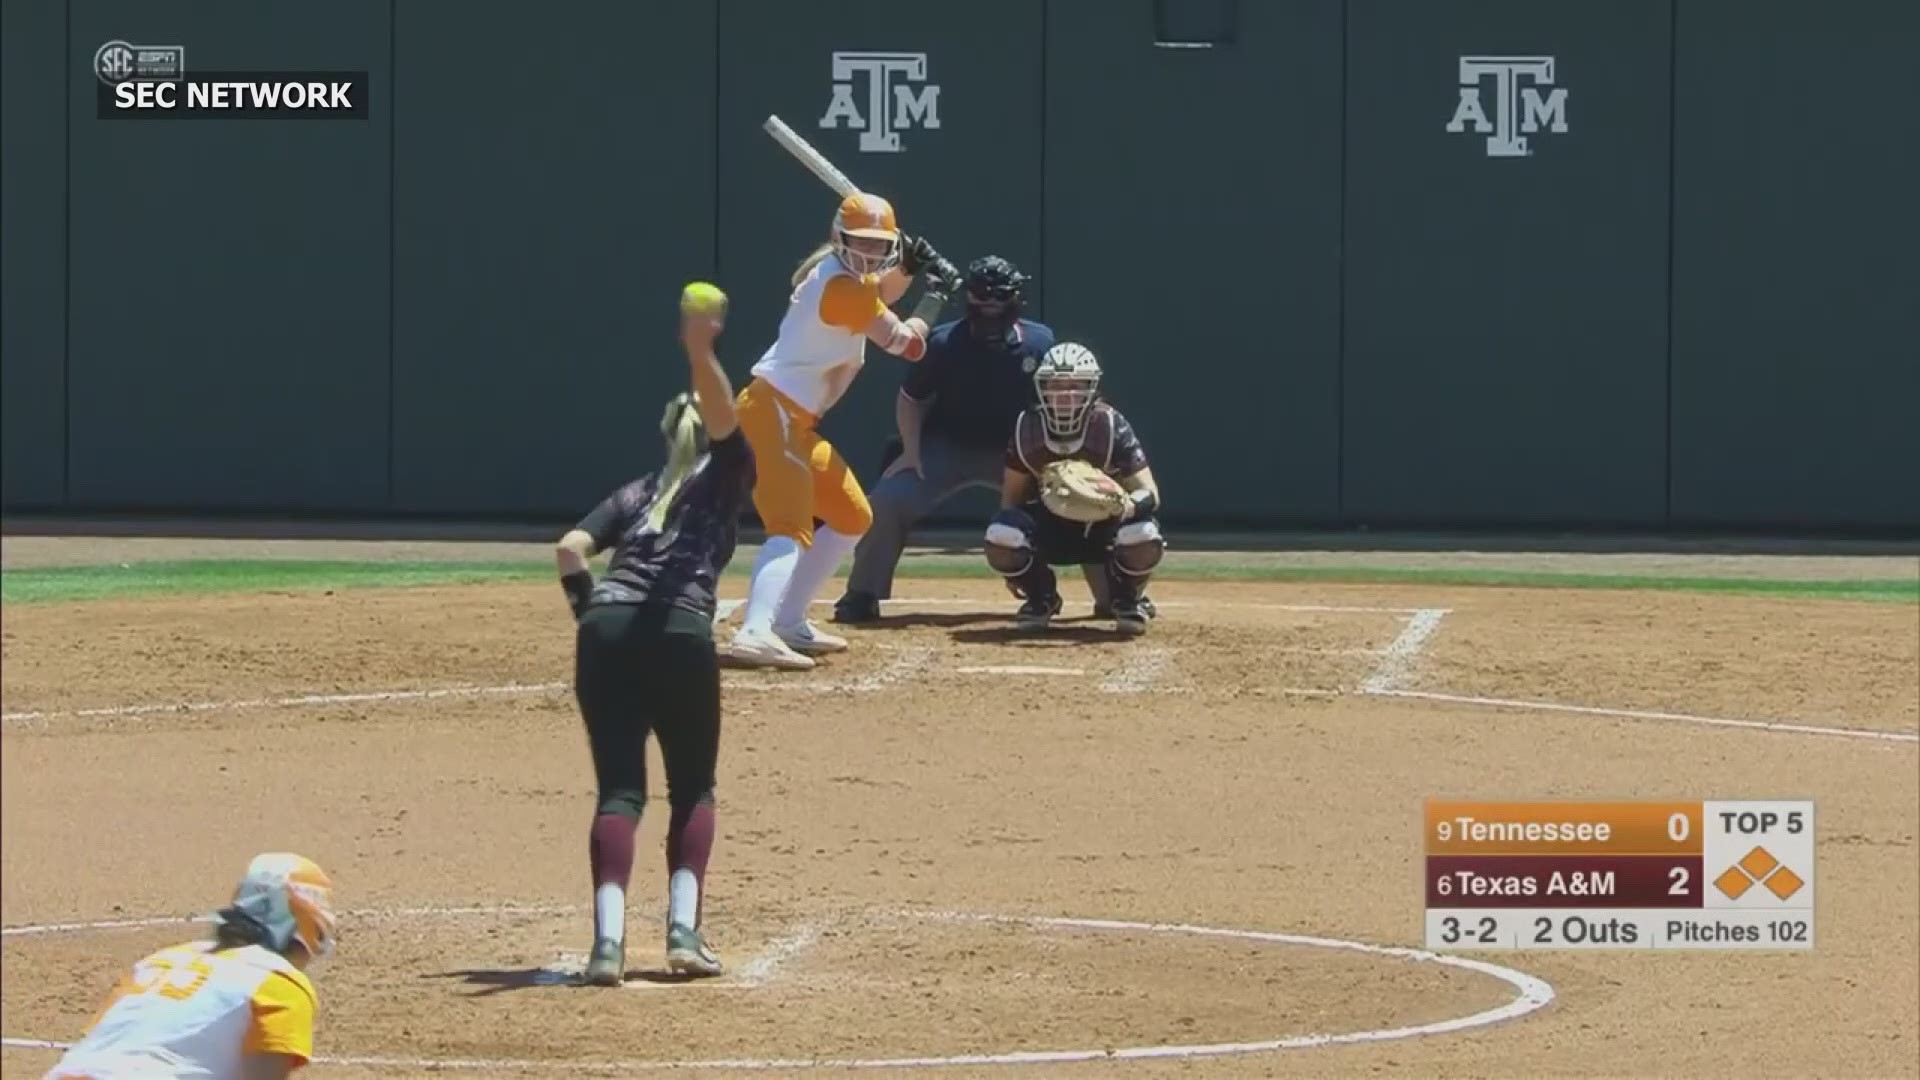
1759 863
1784 883
1758 867
1733 883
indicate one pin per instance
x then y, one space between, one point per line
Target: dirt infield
910 834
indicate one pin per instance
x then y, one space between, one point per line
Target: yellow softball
703 298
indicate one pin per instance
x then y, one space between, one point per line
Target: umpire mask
996 292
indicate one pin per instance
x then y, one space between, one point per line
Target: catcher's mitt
1079 492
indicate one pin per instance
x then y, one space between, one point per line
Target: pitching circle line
1531 994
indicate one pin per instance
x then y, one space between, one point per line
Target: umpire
955 412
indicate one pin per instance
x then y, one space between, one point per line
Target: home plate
1019 669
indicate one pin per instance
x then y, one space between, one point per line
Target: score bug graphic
1620 875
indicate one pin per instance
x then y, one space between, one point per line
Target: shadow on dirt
942 620
488 982
1075 631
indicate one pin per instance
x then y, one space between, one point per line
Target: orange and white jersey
824 331
191 1011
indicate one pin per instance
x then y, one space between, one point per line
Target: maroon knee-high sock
690 843
610 848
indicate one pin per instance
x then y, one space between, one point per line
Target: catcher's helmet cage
1068 380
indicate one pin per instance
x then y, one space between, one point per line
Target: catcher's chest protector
1098 446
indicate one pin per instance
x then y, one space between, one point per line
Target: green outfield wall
1607 264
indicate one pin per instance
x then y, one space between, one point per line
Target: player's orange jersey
196 1011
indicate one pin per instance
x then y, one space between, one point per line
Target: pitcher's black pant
641 670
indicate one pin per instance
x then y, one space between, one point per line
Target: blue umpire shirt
977 387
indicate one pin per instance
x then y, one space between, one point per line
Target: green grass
113 581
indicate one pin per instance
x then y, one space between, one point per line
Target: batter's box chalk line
1385 682
1397 660
1652 715
1530 995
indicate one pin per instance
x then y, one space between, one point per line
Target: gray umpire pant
901 500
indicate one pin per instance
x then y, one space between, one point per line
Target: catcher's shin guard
1009 541
1137 548
1010 551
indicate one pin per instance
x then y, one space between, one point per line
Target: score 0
1593 827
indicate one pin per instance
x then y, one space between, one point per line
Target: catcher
1076 490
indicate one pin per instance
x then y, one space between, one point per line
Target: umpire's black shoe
856 607
1038 612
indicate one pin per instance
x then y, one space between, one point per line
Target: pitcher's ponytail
682 429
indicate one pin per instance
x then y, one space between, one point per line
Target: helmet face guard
1065 403
867 262
995 294
1068 381
865 236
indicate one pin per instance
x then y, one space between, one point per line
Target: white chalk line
1648 714
755 974
723 610
1531 994
1394 667
1140 673
429 911
1017 669
1210 605
294 702
906 664
1397 661
761 970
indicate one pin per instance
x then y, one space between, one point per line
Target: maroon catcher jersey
1108 444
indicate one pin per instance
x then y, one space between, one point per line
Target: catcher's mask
1068 380
996 293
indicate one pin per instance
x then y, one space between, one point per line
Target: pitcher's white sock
814 567
771 573
610 912
683 899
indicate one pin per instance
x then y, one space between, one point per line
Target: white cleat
809 640
758 648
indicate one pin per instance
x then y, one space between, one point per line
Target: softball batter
644 656
840 301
